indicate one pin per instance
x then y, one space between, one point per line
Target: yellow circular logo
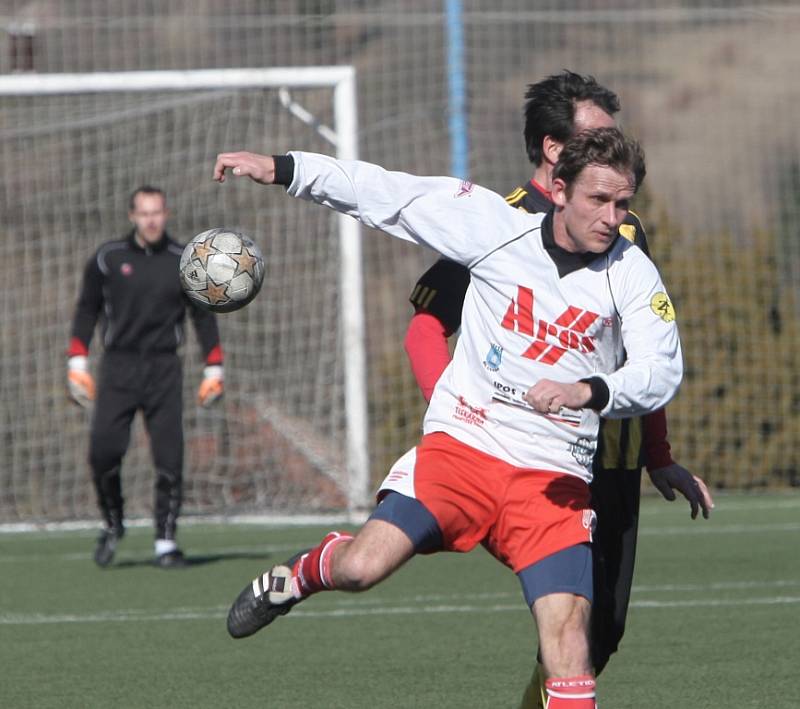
662 306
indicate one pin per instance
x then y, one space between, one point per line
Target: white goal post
342 81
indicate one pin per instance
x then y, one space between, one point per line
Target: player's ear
551 149
558 192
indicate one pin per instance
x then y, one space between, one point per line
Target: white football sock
165 546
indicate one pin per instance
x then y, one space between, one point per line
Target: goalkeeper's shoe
107 545
263 600
171 560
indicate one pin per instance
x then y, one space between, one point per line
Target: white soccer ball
221 270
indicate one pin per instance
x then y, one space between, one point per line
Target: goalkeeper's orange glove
212 387
79 382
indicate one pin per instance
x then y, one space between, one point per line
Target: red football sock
571 693
312 572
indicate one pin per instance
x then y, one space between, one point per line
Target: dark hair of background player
550 108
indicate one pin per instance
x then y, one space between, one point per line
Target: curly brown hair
606 147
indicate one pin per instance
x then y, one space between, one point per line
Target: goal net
290 434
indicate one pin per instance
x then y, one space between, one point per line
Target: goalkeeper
556 108
132 285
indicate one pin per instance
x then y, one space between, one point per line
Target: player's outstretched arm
259 168
458 219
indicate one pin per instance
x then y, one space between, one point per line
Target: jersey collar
154 248
541 190
566 261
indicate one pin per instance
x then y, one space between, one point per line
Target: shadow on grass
190 560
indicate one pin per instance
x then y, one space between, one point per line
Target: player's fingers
219 167
534 396
690 491
663 487
225 161
706 501
540 396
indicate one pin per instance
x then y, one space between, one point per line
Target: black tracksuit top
136 293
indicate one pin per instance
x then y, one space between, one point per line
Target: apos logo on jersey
551 340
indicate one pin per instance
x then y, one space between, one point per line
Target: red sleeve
656 446
215 355
77 347
426 346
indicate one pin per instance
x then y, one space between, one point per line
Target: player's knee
104 458
168 477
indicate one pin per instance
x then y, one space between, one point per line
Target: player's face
149 216
591 212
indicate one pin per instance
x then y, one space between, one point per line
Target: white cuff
214 371
78 363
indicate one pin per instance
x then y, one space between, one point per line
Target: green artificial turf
715 622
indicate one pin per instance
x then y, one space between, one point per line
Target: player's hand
80 383
547 396
212 387
676 477
259 168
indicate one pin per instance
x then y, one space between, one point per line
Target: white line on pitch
725 504
123 556
218 613
701 527
717 586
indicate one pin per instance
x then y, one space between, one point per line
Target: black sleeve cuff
284 169
600 393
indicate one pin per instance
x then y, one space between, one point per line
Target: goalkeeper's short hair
145 189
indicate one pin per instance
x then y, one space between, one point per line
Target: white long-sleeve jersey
526 316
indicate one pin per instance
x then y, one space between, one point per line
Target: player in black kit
133 287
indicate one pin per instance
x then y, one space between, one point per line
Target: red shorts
521 515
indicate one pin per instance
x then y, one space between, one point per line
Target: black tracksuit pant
151 383
615 497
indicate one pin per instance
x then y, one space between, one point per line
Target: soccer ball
221 270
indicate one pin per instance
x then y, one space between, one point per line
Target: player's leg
163 414
340 561
615 498
543 532
448 506
559 589
109 437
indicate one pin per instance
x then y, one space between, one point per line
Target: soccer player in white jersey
556 304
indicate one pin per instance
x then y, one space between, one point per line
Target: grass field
715 622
